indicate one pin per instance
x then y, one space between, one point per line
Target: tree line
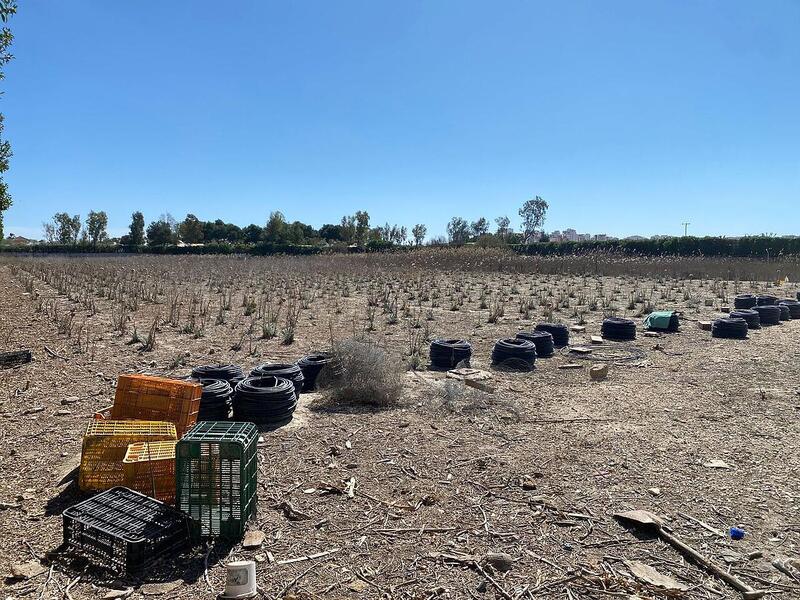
355 229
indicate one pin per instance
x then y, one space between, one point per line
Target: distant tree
401 235
480 227
458 230
348 225
275 230
503 226
418 232
67 229
136 235
215 231
162 232
252 234
7 8
233 233
439 240
362 226
49 232
533 213
331 233
191 230
96 224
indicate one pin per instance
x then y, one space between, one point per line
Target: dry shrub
361 373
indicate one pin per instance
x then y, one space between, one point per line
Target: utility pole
685 228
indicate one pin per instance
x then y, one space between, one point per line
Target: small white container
240 581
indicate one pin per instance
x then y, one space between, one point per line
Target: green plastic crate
215 475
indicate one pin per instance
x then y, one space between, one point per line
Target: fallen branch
55 354
289 561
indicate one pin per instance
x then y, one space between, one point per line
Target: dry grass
361 374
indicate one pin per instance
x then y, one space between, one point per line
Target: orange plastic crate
105 444
150 469
157 399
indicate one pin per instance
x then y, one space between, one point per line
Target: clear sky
627 117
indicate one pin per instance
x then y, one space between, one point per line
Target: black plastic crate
125 531
216 471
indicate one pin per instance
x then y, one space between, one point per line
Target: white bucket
241 580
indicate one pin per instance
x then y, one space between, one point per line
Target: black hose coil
215 403
559 332
751 317
745 301
514 353
289 371
311 365
770 314
543 340
618 329
767 300
446 354
785 314
735 329
227 373
793 306
264 400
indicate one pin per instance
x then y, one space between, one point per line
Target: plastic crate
125 531
150 469
105 444
151 398
216 474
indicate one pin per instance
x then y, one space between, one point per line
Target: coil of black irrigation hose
793 306
618 329
729 328
289 371
559 331
766 300
543 340
230 373
448 353
750 316
215 403
264 400
769 314
745 301
514 353
785 314
311 365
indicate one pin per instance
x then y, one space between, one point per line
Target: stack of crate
149 454
146 409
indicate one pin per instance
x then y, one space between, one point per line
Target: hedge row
747 247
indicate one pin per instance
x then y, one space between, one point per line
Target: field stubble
403 498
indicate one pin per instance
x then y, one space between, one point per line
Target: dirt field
535 470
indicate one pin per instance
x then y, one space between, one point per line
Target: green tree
418 232
136 235
458 230
191 230
533 213
96 224
503 226
276 229
362 226
7 8
162 232
252 234
348 226
67 229
480 227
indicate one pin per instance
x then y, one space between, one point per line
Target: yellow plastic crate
105 444
149 398
150 469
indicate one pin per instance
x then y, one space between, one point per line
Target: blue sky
627 117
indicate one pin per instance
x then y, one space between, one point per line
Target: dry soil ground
535 470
